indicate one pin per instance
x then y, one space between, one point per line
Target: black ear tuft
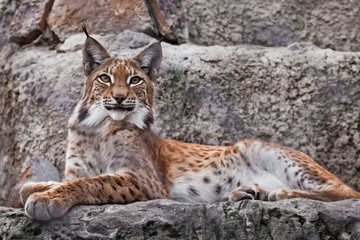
149 60
94 54
85 30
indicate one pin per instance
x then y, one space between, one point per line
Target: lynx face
122 91
117 89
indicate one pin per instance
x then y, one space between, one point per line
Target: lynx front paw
42 207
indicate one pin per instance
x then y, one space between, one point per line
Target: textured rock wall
165 219
331 24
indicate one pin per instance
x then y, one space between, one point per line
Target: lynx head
118 89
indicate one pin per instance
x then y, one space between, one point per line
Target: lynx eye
104 78
135 81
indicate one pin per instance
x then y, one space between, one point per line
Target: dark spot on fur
131 192
148 121
124 197
118 182
90 165
206 180
83 113
72 156
136 185
115 131
182 169
238 184
192 191
146 193
132 175
230 179
214 165
218 189
322 181
80 133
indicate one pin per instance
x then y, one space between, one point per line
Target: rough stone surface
168 19
331 24
7 11
114 16
29 20
302 97
165 219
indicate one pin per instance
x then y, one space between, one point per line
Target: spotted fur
113 156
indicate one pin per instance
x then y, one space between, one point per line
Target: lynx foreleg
124 188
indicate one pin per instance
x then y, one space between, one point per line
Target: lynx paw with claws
42 207
248 192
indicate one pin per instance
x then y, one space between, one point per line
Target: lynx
113 156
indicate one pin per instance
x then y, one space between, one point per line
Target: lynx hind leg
34 187
248 192
338 193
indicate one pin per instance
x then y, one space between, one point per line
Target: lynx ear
149 60
94 54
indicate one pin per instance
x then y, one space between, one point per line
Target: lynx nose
119 98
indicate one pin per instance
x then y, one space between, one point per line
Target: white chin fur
118 115
97 114
136 117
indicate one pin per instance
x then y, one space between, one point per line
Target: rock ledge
166 219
